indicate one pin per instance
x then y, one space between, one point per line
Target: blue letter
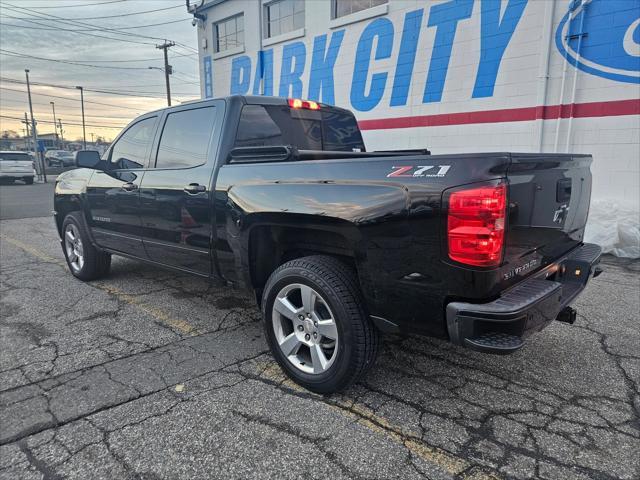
445 17
289 74
240 75
321 76
406 57
383 29
264 72
494 38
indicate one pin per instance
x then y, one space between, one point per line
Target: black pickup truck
279 197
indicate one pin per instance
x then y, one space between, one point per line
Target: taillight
475 225
304 104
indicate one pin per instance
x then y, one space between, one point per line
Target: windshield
11 156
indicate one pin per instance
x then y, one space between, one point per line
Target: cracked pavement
153 374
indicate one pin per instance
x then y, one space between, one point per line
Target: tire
85 261
28 180
334 308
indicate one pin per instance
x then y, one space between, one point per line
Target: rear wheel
28 180
316 324
85 261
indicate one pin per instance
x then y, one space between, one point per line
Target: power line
134 60
94 89
67 62
119 15
106 29
90 29
71 99
67 123
88 34
81 5
75 117
103 28
69 87
22 102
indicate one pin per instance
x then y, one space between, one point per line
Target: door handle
194 188
129 187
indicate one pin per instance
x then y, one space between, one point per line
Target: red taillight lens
304 104
475 225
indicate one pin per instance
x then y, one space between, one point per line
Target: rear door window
185 138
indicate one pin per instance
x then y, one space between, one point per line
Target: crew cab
280 197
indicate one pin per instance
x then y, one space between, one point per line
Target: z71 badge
419 171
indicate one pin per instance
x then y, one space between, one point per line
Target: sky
115 61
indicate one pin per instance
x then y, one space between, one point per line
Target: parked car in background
17 166
59 158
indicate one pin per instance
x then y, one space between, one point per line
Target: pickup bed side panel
387 210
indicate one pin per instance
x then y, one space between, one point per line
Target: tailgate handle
563 190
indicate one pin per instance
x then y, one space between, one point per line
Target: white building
451 75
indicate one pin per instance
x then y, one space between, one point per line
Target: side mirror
87 159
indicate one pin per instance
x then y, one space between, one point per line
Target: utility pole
33 129
91 137
167 68
55 127
84 134
61 132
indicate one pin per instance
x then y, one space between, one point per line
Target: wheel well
64 208
272 246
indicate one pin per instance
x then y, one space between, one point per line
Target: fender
71 194
345 209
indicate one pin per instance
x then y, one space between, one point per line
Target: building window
283 16
340 8
229 33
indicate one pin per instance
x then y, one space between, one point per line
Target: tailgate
549 197
12 166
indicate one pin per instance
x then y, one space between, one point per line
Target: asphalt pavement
18 200
152 374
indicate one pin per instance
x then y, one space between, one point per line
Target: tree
10 134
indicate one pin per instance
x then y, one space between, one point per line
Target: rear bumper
502 325
27 173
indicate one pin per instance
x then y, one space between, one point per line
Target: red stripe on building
548 112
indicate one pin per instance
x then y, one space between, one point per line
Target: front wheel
316 323
85 261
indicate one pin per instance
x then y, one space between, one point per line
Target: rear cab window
275 125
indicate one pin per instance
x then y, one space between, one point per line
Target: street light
55 126
167 71
84 134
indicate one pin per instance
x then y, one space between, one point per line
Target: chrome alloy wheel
305 328
73 247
